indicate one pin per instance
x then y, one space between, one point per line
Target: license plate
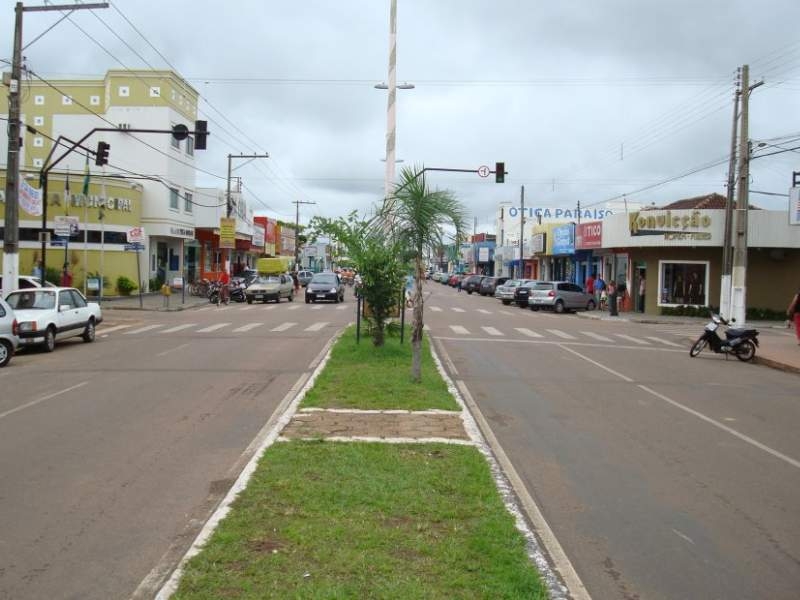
320 295
259 296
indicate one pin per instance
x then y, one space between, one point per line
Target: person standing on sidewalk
642 288
612 299
224 287
589 288
793 312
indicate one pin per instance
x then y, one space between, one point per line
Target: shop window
683 283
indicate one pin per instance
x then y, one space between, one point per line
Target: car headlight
334 290
27 326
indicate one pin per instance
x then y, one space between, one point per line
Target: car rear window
543 286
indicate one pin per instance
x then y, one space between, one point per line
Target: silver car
559 296
8 333
505 292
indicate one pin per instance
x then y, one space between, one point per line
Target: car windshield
33 299
268 279
325 278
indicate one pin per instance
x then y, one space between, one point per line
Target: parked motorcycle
236 291
739 342
214 292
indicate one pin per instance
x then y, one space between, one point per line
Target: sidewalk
778 350
151 302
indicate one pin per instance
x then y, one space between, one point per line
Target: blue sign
59 241
134 247
564 239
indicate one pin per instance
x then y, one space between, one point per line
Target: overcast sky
584 100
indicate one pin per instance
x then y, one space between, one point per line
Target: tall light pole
11 223
297 204
391 85
229 199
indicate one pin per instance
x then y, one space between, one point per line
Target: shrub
125 285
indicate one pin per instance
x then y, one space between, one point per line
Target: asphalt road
662 476
113 454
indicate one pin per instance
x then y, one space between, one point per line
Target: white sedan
44 313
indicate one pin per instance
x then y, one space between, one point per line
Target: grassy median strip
340 520
364 377
365 520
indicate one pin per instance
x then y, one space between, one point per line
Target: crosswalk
559 336
260 307
222 327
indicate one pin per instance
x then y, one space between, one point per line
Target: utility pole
11 223
297 204
228 199
521 229
739 270
725 284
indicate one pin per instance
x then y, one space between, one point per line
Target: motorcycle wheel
698 346
746 351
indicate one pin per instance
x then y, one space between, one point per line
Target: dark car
489 285
523 291
325 286
472 283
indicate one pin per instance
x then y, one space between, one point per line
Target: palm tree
418 216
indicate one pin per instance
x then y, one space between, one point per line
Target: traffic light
200 134
500 172
101 157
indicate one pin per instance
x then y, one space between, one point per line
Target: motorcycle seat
740 332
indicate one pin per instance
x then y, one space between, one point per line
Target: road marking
436 308
165 352
316 326
317 307
247 327
295 307
110 329
561 334
459 310
597 336
212 328
248 307
483 310
715 423
342 307
283 326
597 364
684 536
662 341
206 308
491 331
143 329
632 339
506 313
42 399
179 327
528 332
459 329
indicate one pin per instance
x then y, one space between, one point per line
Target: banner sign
560 213
564 239
794 206
227 233
258 237
538 243
66 226
483 254
30 199
589 235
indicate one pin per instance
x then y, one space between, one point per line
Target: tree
417 217
378 260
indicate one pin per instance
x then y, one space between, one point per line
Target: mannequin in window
678 290
695 290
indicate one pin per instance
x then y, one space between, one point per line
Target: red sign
589 235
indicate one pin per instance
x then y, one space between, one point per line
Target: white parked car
8 333
46 313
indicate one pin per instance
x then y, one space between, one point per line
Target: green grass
357 520
365 377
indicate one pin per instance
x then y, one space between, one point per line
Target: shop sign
560 213
135 235
120 204
589 235
227 233
794 206
187 232
538 241
564 239
678 225
258 236
483 254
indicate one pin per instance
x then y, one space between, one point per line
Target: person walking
612 299
224 286
599 290
296 281
589 287
793 313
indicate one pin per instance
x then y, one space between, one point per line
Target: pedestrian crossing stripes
459 329
630 338
662 341
104 331
283 327
316 326
141 329
211 328
179 327
561 334
436 308
575 337
483 310
596 336
248 327
528 332
458 310
492 331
